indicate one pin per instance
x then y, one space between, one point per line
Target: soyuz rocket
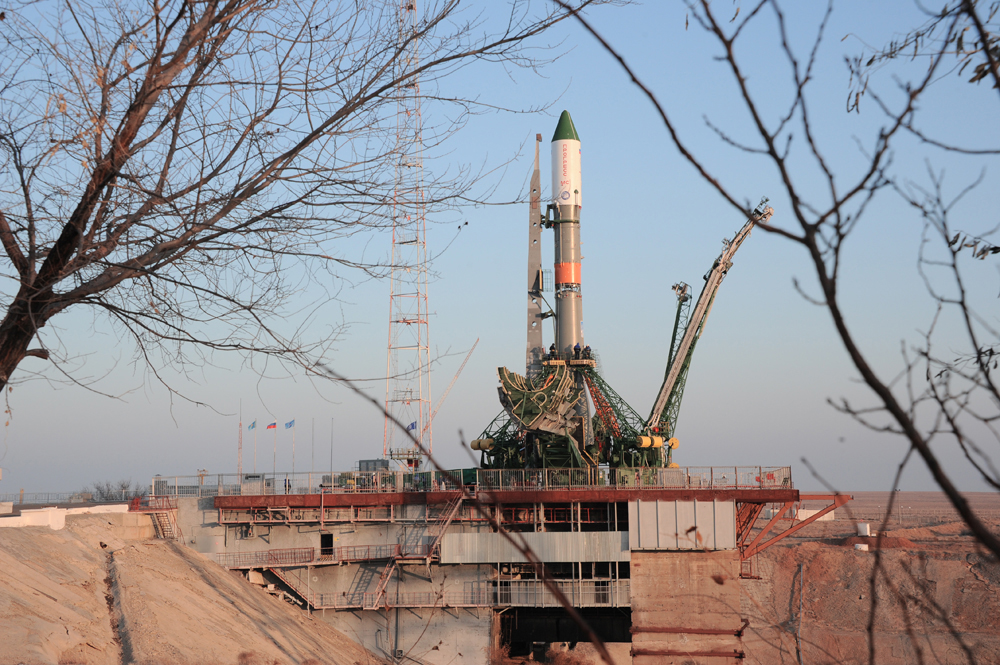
567 202
564 218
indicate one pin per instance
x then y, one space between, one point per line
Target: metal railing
37 498
519 593
579 593
727 477
152 504
493 480
346 482
295 556
304 556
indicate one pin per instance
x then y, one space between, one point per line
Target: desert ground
925 592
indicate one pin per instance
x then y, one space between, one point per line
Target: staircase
374 600
165 524
439 528
162 510
293 582
359 596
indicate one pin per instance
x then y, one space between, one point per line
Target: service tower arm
696 324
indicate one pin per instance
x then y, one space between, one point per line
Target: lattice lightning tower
408 386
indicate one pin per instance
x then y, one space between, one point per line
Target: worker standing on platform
576 351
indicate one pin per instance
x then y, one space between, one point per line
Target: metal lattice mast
408 388
668 419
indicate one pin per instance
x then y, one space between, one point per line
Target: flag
272 425
290 424
253 425
412 426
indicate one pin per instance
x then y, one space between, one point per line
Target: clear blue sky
766 365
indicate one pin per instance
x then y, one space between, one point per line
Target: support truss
758 544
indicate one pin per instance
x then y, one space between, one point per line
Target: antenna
408 384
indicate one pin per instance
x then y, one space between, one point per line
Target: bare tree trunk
17 330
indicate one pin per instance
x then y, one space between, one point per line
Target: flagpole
331 449
255 445
312 463
239 453
293 447
275 450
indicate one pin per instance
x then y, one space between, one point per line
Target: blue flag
253 425
412 426
290 424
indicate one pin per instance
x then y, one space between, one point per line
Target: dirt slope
938 601
65 599
52 599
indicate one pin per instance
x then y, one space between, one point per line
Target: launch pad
420 566
419 556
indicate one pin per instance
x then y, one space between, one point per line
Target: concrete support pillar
685 608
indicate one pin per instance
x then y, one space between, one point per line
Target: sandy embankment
84 595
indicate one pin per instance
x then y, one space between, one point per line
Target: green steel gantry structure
537 428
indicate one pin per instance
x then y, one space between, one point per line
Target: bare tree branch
171 165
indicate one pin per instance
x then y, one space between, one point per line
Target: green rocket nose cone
565 131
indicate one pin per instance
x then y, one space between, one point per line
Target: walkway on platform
514 593
313 556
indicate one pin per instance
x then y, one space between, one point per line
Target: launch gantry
546 421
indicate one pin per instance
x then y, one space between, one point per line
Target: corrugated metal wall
558 547
682 525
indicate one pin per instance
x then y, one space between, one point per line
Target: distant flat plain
912 508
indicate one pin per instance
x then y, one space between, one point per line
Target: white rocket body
566 173
567 192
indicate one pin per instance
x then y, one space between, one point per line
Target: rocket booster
566 192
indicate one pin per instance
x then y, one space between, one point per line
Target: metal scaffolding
408 388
